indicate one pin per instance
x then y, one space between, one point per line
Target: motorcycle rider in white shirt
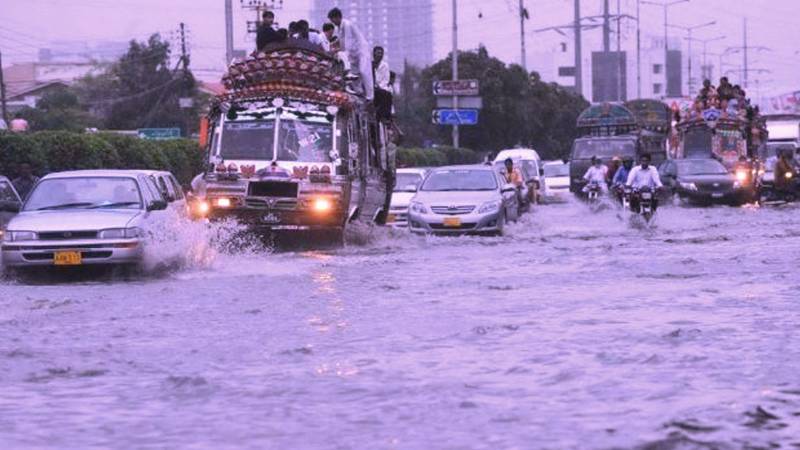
644 176
596 175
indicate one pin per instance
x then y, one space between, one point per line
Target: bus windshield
248 140
604 148
305 140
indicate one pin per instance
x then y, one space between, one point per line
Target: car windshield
85 192
248 140
556 170
603 148
408 182
460 180
7 192
701 167
305 141
697 142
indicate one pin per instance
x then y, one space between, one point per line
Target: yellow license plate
452 221
67 259
391 218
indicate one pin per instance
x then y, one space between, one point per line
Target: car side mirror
508 188
157 205
10 207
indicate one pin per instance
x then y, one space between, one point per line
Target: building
613 76
26 83
403 27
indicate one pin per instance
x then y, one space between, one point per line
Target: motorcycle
770 195
593 192
642 202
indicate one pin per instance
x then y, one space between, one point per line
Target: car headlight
489 207
741 176
418 207
689 186
120 233
16 236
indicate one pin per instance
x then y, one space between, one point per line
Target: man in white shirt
383 93
596 175
644 175
355 45
641 177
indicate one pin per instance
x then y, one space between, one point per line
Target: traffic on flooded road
564 333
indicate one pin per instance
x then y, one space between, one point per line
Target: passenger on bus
266 34
355 45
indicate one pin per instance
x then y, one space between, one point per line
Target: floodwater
575 331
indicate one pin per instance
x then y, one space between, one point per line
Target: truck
784 135
609 130
291 149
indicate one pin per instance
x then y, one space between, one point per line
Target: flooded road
572 332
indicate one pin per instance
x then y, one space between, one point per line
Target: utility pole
523 15
578 56
228 31
455 68
258 7
638 51
689 30
185 101
620 65
744 47
3 92
606 28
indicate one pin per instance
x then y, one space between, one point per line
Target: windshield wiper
113 205
66 205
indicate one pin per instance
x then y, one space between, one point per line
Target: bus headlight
321 204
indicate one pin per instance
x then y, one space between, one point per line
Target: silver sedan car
78 218
463 199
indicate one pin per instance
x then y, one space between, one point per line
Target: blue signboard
159 133
455 116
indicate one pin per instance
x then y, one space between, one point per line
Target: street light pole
665 5
689 30
455 68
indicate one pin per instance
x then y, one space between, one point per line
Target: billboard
609 76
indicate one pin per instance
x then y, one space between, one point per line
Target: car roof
93 173
517 153
414 170
555 163
151 172
464 167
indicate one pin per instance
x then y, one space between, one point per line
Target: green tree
518 108
142 90
58 109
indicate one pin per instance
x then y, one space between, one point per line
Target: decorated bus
291 148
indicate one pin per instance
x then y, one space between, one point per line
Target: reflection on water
573 331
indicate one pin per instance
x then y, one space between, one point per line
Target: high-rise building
404 28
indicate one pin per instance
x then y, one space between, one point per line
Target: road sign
471 102
157 134
456 87
455 116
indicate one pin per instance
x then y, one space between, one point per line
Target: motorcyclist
644 176
621 177
513 176
596 174
785 172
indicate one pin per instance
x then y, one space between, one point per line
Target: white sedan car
556 180
90 217
407 184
